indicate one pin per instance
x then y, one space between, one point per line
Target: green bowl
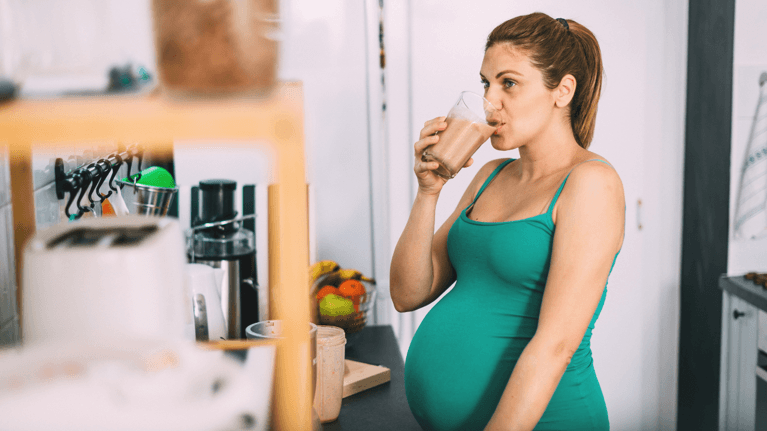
154 176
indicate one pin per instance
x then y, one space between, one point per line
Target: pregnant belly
456 370
460 361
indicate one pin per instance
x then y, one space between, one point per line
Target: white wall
664 93
640 129
324 46
750 60
50 44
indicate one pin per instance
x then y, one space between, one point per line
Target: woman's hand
429 182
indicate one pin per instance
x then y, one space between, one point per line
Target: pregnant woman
530 247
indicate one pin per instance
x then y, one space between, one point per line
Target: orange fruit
351 288
327 290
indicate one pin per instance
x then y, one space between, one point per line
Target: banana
321 268
353 274
332 274
335 278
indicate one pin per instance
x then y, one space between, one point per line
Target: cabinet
742 301
737 384
275 123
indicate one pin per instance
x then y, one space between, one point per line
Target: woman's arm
420 268
589 231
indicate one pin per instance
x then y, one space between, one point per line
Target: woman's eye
509 83
485 84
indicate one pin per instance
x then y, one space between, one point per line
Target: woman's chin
499 143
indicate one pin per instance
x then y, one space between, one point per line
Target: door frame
705 225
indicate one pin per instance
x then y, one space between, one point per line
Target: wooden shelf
273 123
156 119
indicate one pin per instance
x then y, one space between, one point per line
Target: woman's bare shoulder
590 155
594 191
595 176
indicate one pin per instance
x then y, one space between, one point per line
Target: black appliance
222 240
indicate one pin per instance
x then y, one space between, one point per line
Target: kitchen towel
118 203
751 208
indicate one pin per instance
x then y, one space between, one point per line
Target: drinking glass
470 122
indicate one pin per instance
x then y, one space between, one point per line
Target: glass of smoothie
470 123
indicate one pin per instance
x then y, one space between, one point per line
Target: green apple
334 305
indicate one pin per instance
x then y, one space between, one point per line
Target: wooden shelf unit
273 123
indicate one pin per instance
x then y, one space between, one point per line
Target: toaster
106 280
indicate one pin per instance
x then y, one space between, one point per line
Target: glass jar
216 47
273 329
331 352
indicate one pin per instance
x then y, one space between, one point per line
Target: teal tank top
462 355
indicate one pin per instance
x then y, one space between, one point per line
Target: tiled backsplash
9 332
49 210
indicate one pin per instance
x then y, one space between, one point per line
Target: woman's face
525 106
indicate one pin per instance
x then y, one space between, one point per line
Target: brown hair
556 50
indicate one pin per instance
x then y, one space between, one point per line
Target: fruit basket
343 298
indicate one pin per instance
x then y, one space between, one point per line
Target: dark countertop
744 289
383 407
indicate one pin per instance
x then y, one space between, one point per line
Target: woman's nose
492 97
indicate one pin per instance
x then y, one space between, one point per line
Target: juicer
218 239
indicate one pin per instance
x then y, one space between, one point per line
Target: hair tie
564 23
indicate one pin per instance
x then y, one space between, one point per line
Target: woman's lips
499 128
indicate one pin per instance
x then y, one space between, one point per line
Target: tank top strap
490 178
562 186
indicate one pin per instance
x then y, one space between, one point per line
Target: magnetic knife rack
89 178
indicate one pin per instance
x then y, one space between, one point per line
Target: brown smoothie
457 143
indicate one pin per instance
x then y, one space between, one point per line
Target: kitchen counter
744 289
383 407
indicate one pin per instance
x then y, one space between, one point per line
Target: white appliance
203 284
105 280
106 308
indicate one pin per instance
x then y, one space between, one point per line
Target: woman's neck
547 155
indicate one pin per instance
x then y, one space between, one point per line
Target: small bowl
352 323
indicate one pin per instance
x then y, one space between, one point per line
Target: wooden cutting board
359 376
